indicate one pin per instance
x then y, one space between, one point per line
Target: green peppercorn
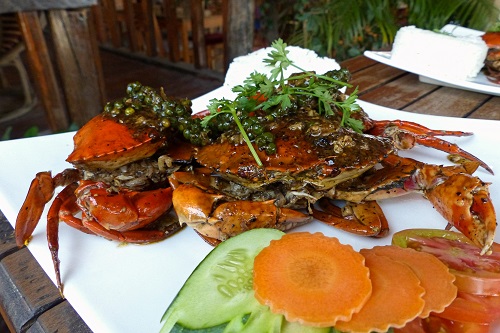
118 105
271 148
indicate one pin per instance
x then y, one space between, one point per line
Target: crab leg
380 126
40 192
463 200
406 135
53 229
139 236
210 216
67 214
366 218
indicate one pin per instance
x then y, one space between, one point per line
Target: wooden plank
448 102
198 34
7 241
489 110
172 26
26 290
130 23
399 93
98 22
373 77
109 15
79 63
7 247
240 25
42 70
357 63
62 318
148 21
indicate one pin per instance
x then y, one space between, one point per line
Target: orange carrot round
434 276
311 279
395 300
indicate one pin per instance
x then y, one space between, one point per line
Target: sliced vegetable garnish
475 273
434 276
441 325
396 297
219 291
311 279
469 308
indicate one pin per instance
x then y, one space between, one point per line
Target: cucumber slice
220 290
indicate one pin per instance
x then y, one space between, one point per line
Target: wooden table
31 303
63 57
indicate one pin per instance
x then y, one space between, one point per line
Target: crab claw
210 216
40 192
462 199
366 218
406 135
465 202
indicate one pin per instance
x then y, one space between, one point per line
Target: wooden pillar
109 14
240 25
172 26
40 63
198 34
79 62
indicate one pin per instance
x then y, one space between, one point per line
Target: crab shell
106 143
309 151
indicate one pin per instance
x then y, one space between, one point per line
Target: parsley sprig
278 93
222 106
323 87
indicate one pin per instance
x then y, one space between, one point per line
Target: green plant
30 132
345 28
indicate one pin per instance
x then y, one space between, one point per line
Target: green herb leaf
279 93
217 107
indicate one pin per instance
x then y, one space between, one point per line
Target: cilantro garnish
278 93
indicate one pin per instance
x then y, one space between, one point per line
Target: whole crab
492 61
118 188
317 160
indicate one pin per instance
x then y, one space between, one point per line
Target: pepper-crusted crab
317 160
118 188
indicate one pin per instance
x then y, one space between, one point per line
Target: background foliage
345 28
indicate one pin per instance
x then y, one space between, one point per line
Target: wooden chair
11 49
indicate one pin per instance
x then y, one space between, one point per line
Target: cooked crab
315 160
492 61
118 188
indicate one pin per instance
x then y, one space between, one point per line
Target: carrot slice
434 276
396 297
311 279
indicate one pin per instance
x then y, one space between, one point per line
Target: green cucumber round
218 297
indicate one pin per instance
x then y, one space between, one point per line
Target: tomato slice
437 324
417 325
475 273
469 309
490 302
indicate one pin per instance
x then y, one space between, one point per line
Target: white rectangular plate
479 84
120 288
